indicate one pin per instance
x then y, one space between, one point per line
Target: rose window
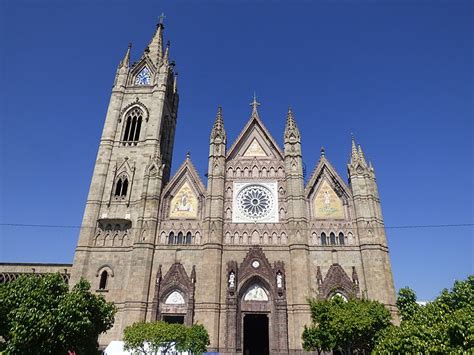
255 201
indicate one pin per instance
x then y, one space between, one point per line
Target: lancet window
103 280
180 238
133 124
121 187
332 239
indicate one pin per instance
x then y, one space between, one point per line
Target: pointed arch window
171 238
323 239
180 238
133 125
121 187
341 238
103 280
332 238
188 238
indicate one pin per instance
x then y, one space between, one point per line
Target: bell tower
117 237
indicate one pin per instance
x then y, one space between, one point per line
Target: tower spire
291 130
125 62
218 128
361 155
155 47
354 152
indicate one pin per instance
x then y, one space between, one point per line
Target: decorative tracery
255 201
143 77
133 123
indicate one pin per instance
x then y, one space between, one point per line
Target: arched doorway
256 319
256 313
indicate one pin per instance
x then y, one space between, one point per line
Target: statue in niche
279 280
232 279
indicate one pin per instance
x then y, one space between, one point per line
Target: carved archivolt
174 293
337 281
137 103
256 286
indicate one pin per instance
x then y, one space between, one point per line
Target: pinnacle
290 128
218 128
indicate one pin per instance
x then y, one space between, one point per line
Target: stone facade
172 248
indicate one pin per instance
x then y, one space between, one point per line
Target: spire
218 128
254 105
125 62
291 130
167 53
354 153
361 155
155 47
175 82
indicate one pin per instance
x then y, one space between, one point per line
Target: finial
162 19
323 152
188 154
130 45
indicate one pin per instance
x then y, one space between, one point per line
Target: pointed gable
254 141
326 192
184 194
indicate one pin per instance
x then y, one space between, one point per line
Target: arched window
171 238
341 238
332 237
103 280
323 239
188 238
121 186
180 238
133 124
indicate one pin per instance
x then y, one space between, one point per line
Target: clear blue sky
399 74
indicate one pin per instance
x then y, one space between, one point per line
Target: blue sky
399 74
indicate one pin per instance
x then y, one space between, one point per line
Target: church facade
241 253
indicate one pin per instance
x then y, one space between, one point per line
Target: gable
254 142
327 192
183 196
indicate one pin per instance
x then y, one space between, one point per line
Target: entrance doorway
256 334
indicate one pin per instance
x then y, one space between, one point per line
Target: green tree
39 314
349 326
197 339
445 325
149 338
406 303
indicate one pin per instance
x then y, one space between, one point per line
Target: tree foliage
149 338
445 325
38 314
349 326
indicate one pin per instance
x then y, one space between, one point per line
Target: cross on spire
254 103
162 18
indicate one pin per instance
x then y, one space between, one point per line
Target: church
240 253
